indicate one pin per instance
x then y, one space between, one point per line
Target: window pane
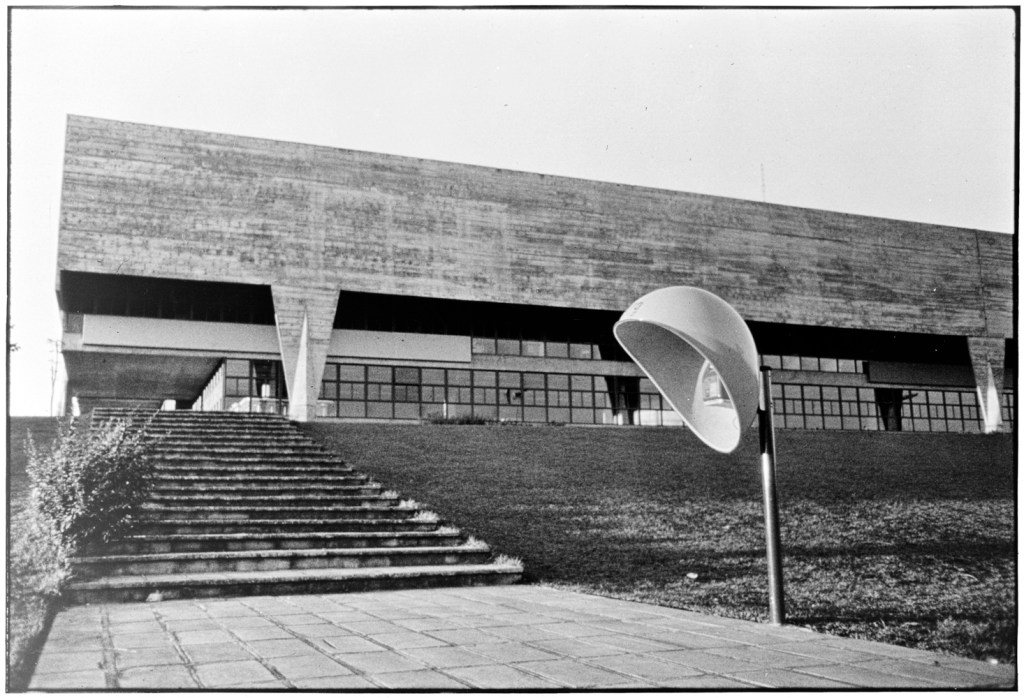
456 377
533 348
351 409
351 373
580 351
484 378
378 374
847 366
238 368
791 363
558 381
557 350
582 382
330 372
483 345
433 376
808 363
772 361
509 379
508 347
404 374
533 380
830 365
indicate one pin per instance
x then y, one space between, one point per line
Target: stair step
330 581
275 560
287 488
171 526
194 543
253 480
221 513
250 469
238 499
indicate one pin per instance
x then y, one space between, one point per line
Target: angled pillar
305 318
988 356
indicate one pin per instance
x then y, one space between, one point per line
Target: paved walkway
517 637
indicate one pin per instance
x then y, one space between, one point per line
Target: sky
904 114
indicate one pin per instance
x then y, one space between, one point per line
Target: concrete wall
311 220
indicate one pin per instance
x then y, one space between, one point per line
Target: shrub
460 419
83 490
86 487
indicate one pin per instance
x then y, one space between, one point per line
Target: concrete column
988 357
305 318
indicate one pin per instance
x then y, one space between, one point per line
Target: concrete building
224 272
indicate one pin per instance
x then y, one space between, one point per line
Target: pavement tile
707 681
314 604
944 676
372 627
149 626
346 616
254 621
511 652
421 624
571 647
707 662
62 662
319 630
644 667
310 666
574 629
444 657
140 640
379 662
503 619
93 679
497 676
298 619
693 641
177 611
862 677
348 643
261 633
241 673
125 658
770 677
156 677
128 613
1002 671
339 683
629 643
396 613
423 679
831 655
466 636
230 610
192 624
202 637
216 652
522 633
279 648
407 640
55 643
576 674
764 657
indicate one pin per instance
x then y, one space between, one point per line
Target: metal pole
766 427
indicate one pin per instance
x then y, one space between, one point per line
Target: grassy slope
902 538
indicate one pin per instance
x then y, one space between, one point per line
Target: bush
461 419
83 489
86 487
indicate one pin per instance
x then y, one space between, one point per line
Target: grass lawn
902 538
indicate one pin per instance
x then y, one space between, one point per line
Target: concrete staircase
246 504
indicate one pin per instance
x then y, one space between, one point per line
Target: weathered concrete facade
311 221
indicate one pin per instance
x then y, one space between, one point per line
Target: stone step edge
336 523
161 509
333 574
297 535
270 554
